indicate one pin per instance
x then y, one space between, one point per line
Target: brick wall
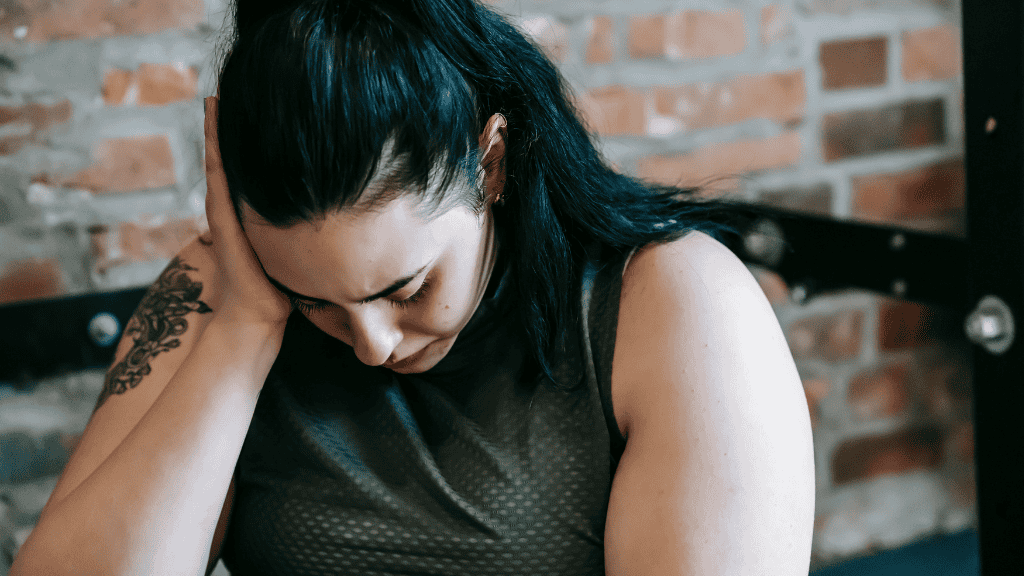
851 108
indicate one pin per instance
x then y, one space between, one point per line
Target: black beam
824 254
46 337
993 45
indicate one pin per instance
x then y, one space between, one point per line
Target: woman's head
331 108
397 282
332 104
357 158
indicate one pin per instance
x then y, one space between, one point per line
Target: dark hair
311 91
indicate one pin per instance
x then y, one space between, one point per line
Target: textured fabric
465 469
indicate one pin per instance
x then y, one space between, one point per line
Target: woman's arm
717 477
145 488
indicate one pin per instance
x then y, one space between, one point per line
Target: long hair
321 97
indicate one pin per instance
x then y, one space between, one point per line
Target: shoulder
719 450
694 260
684 305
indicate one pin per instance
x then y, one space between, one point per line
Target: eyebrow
394 287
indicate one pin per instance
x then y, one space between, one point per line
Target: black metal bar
824 254
46 337
993 44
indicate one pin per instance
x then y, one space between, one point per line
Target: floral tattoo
155 326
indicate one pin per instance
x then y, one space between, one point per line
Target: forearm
152 506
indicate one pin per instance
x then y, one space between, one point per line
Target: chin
429 358
408 370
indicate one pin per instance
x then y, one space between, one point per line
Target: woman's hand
247 295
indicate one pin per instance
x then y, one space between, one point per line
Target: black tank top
464 469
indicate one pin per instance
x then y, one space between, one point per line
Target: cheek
449 310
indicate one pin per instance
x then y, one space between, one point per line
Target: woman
430 331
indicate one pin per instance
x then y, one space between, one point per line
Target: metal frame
993 41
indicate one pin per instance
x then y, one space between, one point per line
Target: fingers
218 200
210 128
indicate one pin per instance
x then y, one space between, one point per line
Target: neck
493 274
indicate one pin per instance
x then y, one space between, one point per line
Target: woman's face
396 286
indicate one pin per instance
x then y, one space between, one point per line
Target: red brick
934 190
141 241
857 63
832 337
780 97
116 84
896 127
722 160
774 287
948 390
99 241
599 41
150 85
900 452
880 393
961 443
26 123
701 34
31 279
932 54
812 409
124 164
646 36
814 199
904 324
776 24
816 389
615 110
686 35
145 241
46 21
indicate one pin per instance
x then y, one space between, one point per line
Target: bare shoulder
719 450
683 304
696 258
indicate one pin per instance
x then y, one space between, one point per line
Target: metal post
993 45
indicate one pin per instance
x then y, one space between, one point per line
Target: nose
374 336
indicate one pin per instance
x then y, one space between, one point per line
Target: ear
492 140
492 158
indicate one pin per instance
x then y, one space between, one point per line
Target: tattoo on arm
155 326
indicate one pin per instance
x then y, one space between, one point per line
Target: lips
404 361
397 364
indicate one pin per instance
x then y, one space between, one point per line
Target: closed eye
311 307
308 307
414 298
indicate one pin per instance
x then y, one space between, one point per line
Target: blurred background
846 108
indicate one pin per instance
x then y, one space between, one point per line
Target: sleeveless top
462 469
